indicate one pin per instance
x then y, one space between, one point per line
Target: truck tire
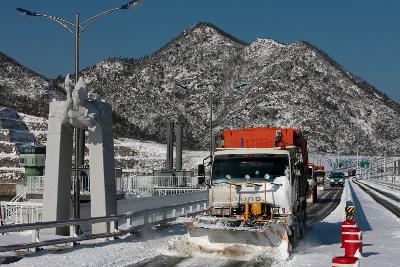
293 241
294 236
315 195
303 219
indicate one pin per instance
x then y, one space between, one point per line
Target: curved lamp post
76 29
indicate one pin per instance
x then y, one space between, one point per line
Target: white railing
154 186
130 186
85 185
175 191
20 212
35 184
20 195
156 181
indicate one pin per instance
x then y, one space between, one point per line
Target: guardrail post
35 239
174 213
114 228
72 233
129 224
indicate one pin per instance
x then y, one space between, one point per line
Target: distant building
33 159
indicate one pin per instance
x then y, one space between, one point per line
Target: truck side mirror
201 173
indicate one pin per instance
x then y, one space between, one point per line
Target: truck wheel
293 241
294 237
315 195
303 219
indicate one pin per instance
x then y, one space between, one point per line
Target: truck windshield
236 169
319 174
337 175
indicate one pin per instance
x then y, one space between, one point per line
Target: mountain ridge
263 83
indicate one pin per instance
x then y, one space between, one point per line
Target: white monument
95 116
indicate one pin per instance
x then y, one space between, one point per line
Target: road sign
364 164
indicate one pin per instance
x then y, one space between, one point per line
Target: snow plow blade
272 234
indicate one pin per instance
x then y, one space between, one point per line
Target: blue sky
362 35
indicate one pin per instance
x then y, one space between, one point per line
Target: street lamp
76 28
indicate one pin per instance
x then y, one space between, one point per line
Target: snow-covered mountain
25 90
264 83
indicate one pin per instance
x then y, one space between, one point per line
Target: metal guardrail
132 221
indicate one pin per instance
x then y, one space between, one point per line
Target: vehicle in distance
336 179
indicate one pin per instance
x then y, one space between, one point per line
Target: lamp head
26 12
132 4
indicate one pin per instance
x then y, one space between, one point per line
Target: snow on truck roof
238 151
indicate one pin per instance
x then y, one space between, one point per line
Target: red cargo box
319 168
262 138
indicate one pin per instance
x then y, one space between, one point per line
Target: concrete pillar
101 162
178 134
170 146
57 189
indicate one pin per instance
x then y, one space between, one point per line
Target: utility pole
211 127
384 162
357 169
77 184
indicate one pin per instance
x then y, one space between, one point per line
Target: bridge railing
119 224
126 184
20 212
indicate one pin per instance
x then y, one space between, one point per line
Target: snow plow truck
257 190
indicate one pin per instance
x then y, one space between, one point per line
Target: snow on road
106 253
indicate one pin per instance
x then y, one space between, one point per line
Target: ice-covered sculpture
95 116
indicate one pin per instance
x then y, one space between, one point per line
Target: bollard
352 234
352 248
344 261
345 226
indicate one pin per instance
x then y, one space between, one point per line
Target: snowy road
327 202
